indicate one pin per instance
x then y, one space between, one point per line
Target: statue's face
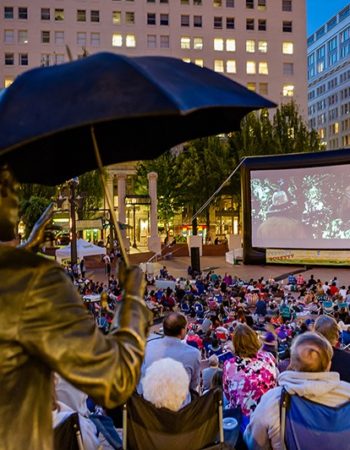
8 205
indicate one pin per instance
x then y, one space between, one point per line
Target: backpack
307 425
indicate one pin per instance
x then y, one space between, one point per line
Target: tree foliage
91 191
167 184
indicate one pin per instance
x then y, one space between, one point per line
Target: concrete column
121 179
154 243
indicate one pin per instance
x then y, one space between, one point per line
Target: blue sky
319 11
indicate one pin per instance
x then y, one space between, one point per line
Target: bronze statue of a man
44 327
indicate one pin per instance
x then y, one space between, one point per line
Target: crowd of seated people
242 334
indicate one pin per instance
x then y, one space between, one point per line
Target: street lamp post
73 244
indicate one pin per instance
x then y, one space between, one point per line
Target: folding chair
67 434
328 308
196 426
345 340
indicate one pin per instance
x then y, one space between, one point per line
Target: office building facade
259 43
328 80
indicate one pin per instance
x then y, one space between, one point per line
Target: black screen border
257 255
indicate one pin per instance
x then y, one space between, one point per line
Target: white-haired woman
166 384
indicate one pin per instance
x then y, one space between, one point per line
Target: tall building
328 80
259 43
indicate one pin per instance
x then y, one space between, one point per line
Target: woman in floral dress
249 374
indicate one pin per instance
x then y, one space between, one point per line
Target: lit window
261 5
250 46
59 14
197 21
251 67
23 59
130 18
198 43
165 41
45 14
116 17
151 41
59 37
8 82
217 3
94 15
81 15
45 37
130 40
219 65
263 68
95 39
263 88
185 43
9 59
231 66
186 60
199 62
336 127
288 90
23 36
185 20
262 46
117 40
218 44
185 2
287 48
164 19
251 86
23 13
9 36
151 19
8 12
81 38
230 45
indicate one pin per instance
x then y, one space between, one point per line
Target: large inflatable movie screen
301 208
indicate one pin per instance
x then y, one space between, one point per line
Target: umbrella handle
109 199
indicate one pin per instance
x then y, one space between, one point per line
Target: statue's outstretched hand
37 235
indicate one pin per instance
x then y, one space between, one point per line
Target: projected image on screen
301 208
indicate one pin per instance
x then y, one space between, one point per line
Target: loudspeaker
195 259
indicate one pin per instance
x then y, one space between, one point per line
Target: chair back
195 426
306 424
67 434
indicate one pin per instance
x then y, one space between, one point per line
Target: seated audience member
207 374
249 374
327 326
308 376
166 384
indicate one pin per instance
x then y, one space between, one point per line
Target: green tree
167 184
34 199
91 192
286 133
202 167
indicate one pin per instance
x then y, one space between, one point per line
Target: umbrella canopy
139 107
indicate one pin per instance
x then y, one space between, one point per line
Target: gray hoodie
263 431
